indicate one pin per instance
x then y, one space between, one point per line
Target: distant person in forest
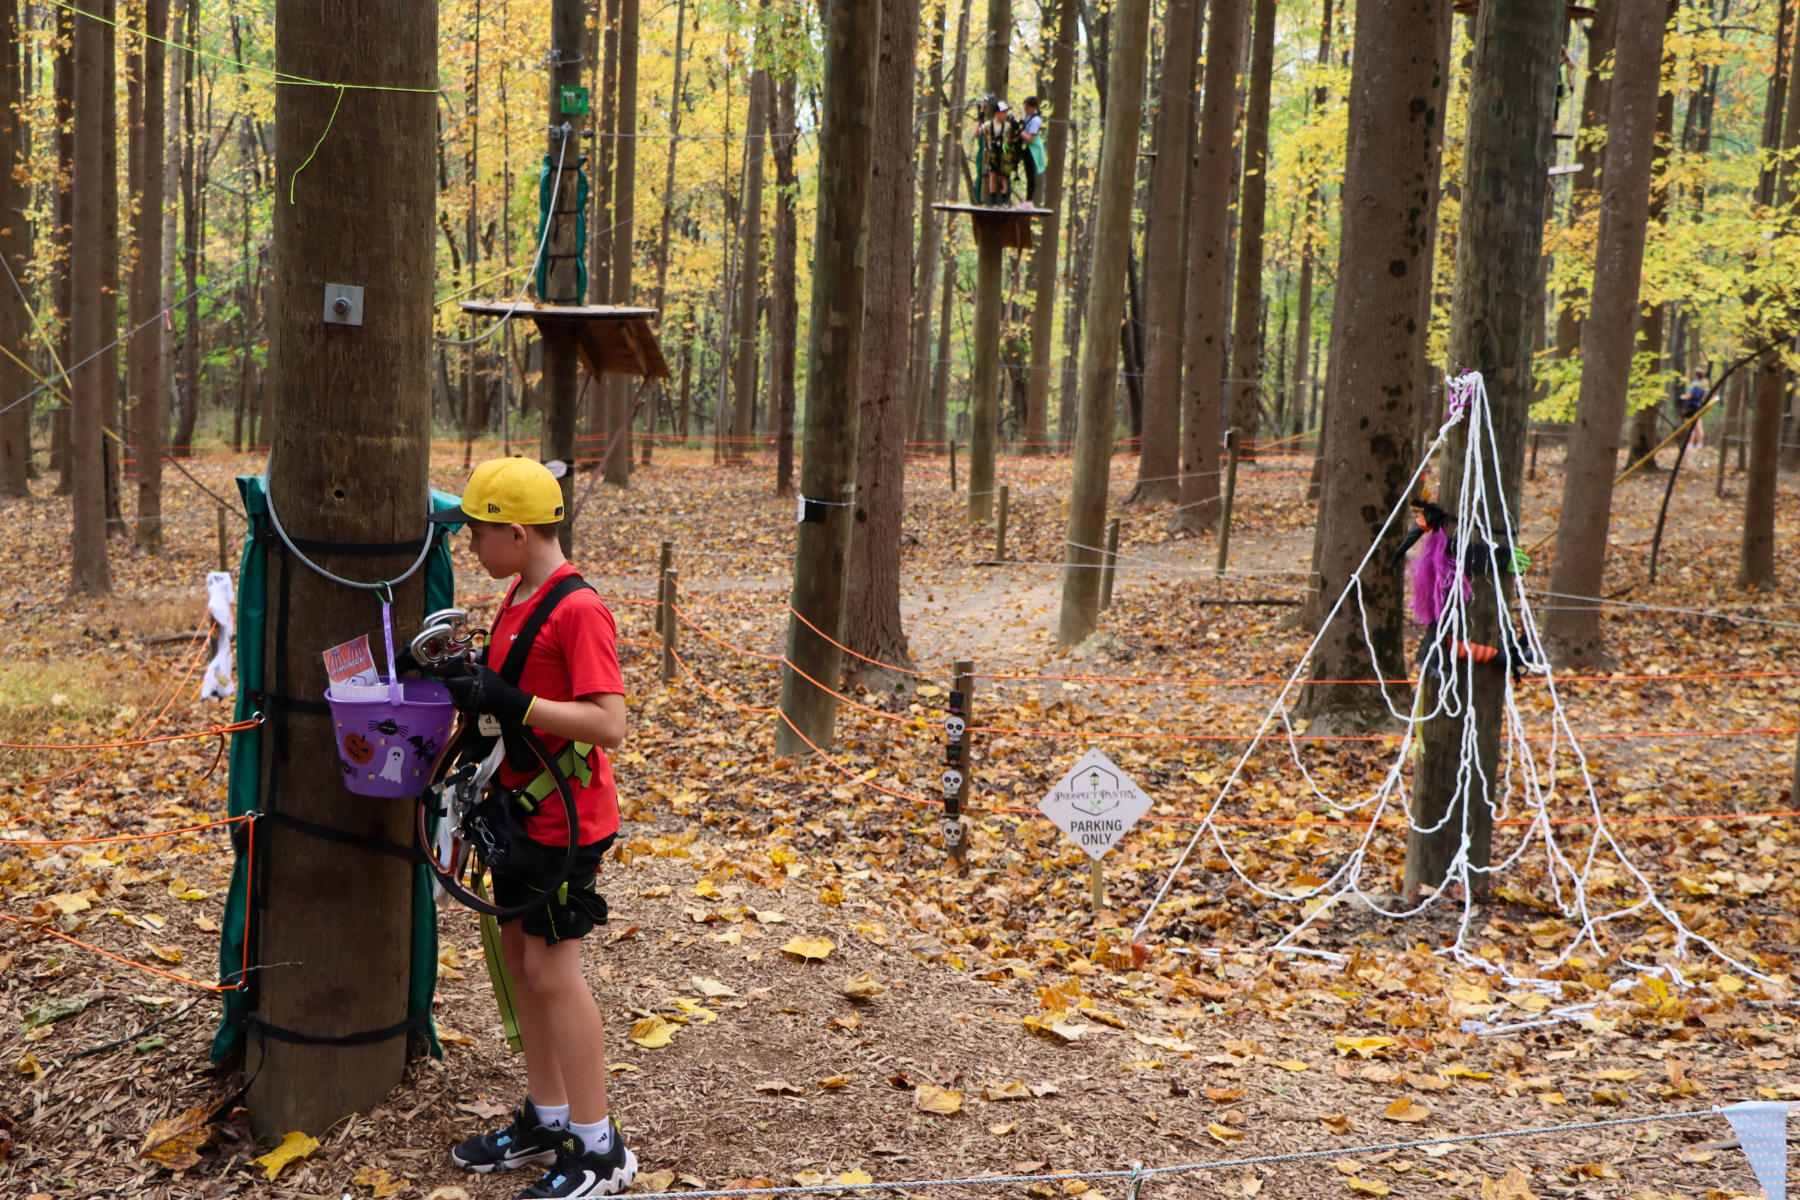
1692 401
1031 157
996 151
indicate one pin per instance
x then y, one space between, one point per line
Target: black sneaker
582 1172
527 1140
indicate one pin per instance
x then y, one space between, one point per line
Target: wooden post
953 466
1531 472
224 542
1097 885
1231 462
962 704
1112 559
669 588
1000 526
662 573
341 917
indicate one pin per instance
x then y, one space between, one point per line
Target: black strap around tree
259 1030
331 833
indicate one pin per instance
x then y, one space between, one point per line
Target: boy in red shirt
569 691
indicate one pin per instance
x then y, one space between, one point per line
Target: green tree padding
243 788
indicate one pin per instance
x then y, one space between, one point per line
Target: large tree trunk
342 917
852 30
930 425
89 574
1572 626
1113 185
109 269
1303 361
191 199
561 280
985 348
174 145
1045 267
1378 347
872 625
1512 100
931 236
1209 257
1245 388
1590 154
617 389
63 82
664 326
15 252
147 359
743 342
1165 248
784 309
1080 241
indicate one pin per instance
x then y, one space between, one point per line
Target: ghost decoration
396 758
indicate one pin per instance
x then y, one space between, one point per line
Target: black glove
484 691
404 661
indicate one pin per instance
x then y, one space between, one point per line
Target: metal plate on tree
1095 804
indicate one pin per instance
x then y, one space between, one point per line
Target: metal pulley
445 639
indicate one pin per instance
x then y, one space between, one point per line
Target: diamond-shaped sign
1095 804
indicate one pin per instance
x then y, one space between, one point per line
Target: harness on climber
481 824
1436 571
997 148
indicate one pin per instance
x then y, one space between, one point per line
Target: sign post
1096 805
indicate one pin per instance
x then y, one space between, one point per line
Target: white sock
554 1116
595 1138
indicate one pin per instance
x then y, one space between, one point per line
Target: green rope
294 178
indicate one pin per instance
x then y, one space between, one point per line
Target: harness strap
517 755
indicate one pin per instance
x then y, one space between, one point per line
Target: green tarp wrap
242 793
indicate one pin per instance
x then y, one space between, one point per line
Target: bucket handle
395 696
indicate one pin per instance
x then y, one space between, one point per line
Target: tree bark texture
1245 407
1113 187
618 389
784 309
1389 208
348 463
872 625
562 283
931 425
1057 127
109 268
147 355
1571 626
16 251
984 372
1512 98
63 84
192 201
89 573
931 236
1209 258
1165 249
743 374
1590 154
852 30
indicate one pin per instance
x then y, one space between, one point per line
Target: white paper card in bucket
1095 804
352 664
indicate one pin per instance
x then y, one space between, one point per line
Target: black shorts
566 913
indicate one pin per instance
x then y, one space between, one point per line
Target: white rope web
1530 781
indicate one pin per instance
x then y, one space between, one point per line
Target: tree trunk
16 253
1590 153
872 624
930 425
343 916
61 296
1165 248
174 145
668 194
851 38
743 342
192 231
1209 257
1303 361
617 389
1113 186
1389 207
1245 389
562 283
784 313
474 392
984 371
89 573
930 230
109 269
1572 626
600 54
1080 256
1512 99
1056 133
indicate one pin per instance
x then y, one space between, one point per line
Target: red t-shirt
575 654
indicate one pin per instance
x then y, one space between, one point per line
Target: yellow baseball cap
508 491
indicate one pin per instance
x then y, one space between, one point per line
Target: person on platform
1031 150
996 151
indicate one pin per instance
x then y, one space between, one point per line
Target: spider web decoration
1528 779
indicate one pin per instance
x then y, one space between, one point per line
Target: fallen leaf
63 904
712 989
851 1177
447 1034
862 987
653 1033
1004 1130
1363 1047
933 1099
1018 1089
1407 1110
1057 1026
779 1087
834 1083
808 948
769 916
381 1182
29 1066
1516 1186
808 1178
1592 1170
175 1143
294 1147
1460 1071
1367 1187
1336 1122
1427 1083
1224 1134
1252 1183
487 1109
52 1011
1293 1064
1223 1095
654 1181
449 1193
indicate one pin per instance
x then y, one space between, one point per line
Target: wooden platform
613 340
1011 225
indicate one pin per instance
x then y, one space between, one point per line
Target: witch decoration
1435 571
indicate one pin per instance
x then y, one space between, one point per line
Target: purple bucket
388 739
387 745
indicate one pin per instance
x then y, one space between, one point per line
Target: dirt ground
730 853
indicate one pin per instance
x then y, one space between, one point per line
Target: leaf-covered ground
1062 1049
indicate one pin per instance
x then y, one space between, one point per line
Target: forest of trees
1288 248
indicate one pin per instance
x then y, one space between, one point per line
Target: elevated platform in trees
613 340
1012 226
